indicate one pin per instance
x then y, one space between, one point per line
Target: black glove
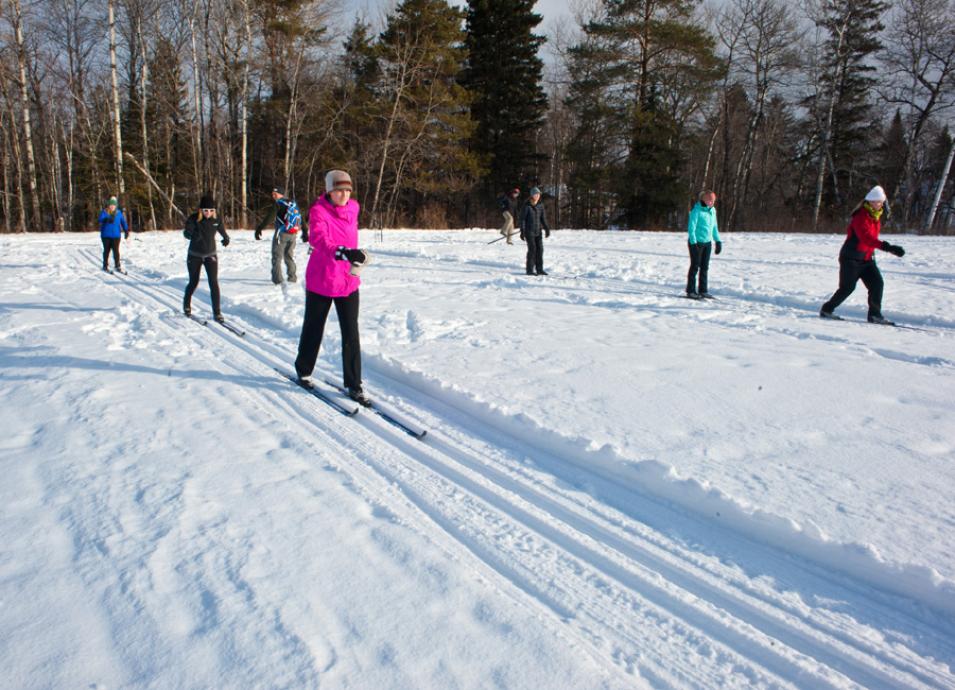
225 241
522 237
719 246
547 233
127 234
355 256
893 249
258 234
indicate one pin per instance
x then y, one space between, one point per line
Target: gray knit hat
337 179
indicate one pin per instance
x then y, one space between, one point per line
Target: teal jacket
702 224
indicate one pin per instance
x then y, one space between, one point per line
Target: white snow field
619 487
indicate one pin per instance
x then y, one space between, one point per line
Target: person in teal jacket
112 225
703 231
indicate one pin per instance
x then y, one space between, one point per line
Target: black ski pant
313 328
535 253
110 244
699 261
850 272
195 264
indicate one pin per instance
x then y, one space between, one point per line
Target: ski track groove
645 571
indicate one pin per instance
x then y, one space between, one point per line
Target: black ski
318 393
417 433
890 324
233 329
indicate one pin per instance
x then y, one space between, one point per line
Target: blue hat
535 190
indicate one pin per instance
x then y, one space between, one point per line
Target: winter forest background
621 114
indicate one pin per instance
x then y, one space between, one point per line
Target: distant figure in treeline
533 220
856 258
509 205
112 225
200 230
702 231
287 220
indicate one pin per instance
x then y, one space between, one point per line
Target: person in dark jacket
856 257
200 230
284 214
509 205
112 225
533 220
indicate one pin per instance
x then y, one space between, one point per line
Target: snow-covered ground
619 487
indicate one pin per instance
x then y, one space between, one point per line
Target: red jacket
862 237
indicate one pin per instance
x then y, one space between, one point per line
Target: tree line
788 114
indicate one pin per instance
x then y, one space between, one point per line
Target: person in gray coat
533 220
288 222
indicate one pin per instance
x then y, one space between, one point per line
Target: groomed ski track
639 584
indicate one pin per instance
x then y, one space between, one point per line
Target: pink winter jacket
331 227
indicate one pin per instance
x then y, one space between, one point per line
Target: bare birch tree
17 19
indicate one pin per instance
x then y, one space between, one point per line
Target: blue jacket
112 226
701 226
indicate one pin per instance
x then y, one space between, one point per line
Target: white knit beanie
875 194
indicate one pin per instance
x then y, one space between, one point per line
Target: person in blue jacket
703 231
112 225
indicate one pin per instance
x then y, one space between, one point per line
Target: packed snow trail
622 580
834 652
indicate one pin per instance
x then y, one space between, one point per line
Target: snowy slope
619 487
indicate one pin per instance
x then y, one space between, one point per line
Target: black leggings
194 264
313 327
699 261
110 244
535 253
850 272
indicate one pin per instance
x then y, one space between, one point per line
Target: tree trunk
197 152
117 130
7 194
943 178
25 106
827 129
244 175
143 77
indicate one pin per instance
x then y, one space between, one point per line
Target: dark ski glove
522 237
225 241
893 249
719 247
305 235
355 256
258 234
127 234
547 233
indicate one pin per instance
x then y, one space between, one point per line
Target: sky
548 9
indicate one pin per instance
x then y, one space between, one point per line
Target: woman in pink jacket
332 276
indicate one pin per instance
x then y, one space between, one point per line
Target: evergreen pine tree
892 153
649 58
503 72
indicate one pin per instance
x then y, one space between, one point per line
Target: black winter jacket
533 219
202 235
509 203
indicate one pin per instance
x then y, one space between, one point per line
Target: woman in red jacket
855 258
